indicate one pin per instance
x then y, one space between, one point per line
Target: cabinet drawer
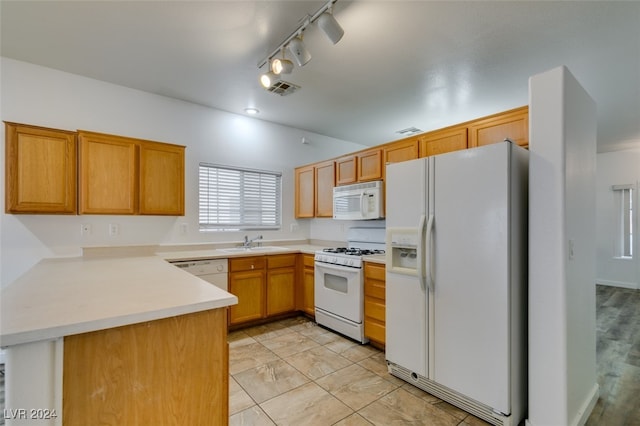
308 260
375 288
281 260
374 271
246 263
374 309
374 331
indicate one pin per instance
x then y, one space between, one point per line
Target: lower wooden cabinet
281 282
169 371
374 302
264 285
247 282
305 290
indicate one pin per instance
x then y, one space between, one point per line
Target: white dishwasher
213 271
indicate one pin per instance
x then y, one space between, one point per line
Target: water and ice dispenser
403 250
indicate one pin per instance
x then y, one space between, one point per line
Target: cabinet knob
252 267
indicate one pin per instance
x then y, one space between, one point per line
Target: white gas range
339 282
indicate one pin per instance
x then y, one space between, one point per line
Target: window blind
232 198
623 198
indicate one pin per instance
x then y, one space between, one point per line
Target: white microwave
360 201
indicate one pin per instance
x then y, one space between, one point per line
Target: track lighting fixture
267 79
296 47
330 26
281 65
299 51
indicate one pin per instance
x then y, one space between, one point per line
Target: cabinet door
281 296
346 170
40 170
374 302
512 125
308 301
108 174
248 286
161 179
370 165
304 286
325 177
404 150
441 141
304 191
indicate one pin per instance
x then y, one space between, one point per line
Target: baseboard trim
583 414
622 284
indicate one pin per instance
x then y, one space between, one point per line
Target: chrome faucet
247 242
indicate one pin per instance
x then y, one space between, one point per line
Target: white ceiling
400 63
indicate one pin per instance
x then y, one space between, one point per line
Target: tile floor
293 372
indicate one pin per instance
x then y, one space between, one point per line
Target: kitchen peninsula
117 340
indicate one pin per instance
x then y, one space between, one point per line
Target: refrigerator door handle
420 254
430 281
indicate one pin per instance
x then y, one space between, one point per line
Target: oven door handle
334 267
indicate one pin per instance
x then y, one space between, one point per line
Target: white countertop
65 296
60 297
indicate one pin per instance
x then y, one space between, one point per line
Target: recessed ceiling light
252 111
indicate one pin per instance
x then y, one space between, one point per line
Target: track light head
299 51
281 66
330 27
267 79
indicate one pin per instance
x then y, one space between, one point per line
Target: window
232 198
623 198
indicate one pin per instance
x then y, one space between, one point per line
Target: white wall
615 168
562 249
41 96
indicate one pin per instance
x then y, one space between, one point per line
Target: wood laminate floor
618 357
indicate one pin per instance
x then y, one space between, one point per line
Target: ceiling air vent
409 131
283 88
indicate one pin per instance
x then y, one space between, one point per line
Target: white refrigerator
456 295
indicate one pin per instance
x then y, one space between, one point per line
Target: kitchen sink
256 249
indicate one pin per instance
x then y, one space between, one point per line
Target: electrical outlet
114 229
293 227
85 229
184 228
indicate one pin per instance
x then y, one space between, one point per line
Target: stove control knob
351 262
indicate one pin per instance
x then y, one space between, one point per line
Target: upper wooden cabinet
161 179
305 191
346 170
325 180
314 190
402 150
120 175
108 174
370 165
445 140
40 170
512 125
360 167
